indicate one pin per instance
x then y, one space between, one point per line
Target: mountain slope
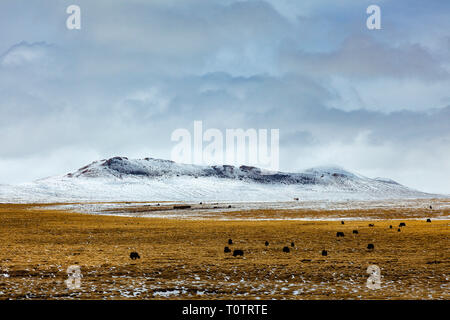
148 179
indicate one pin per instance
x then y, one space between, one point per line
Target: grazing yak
292 244
428 220
399 230
402 224
324 253
371 225
226 250
390 227
342 222
134 255
238 252
339 234
230 241
266 243
355 231
370 246
286 249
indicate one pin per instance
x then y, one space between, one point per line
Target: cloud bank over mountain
376 102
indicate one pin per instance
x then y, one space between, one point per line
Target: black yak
238 252
370 246
355 231
134 255
324 253
339 234
226 250
230 241
286 249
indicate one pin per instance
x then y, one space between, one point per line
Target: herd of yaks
370 246
239 252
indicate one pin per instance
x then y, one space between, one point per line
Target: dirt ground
185 259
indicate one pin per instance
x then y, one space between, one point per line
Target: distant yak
226 250
339 234
371 225
370 246
355 231
238 252
134 255
292 244
428 220
324 253
402 224
286 249
342 222
266 243
230 241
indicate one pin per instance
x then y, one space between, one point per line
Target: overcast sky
376 102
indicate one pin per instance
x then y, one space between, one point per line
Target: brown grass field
184 258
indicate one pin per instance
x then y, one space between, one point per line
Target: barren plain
184 258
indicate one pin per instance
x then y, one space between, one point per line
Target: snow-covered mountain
122 167
123 179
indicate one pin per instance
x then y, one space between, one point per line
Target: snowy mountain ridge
122 167
149 179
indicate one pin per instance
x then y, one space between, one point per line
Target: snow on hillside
123 179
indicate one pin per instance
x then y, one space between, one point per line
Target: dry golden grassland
184 259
